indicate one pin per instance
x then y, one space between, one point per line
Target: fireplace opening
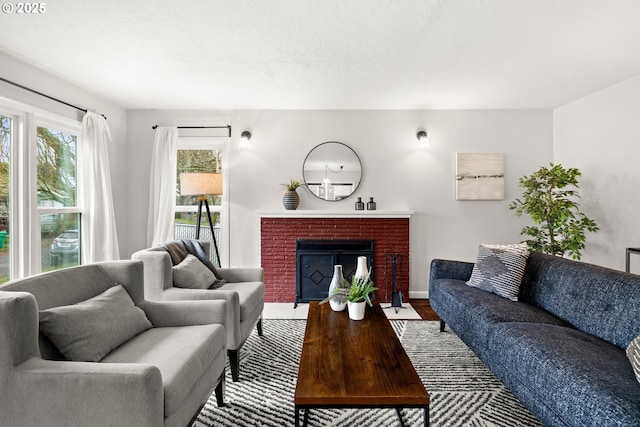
315 260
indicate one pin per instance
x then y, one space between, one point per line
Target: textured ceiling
332 54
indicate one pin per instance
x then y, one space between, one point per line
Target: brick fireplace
280 230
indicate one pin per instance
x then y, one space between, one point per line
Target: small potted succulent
290 199
356 294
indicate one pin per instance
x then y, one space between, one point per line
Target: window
57 198
5 186
39 213
201 155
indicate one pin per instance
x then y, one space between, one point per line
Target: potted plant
290 199
549 199
356 294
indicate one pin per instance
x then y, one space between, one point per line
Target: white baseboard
419 294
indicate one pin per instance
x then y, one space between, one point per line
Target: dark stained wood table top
355 363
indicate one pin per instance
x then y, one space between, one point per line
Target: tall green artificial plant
549 198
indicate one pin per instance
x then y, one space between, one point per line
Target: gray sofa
561 347
243 293
159 377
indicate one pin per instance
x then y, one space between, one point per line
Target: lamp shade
200 184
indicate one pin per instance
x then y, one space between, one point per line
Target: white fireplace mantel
334 214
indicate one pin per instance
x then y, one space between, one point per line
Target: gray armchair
160 377
243 292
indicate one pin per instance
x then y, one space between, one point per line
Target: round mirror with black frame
332 171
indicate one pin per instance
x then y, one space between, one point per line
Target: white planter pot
356 310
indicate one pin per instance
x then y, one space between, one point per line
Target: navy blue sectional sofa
561 348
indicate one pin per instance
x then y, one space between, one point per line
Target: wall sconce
245 136
423 139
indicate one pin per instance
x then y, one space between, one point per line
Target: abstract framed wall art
479 176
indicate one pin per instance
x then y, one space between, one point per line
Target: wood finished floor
423 308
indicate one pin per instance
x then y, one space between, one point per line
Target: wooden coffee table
355 364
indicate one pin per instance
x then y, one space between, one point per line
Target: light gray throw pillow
193 274
91 329
633 353
500 269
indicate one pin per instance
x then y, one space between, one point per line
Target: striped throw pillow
500 269
633 353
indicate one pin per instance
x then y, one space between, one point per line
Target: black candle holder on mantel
359 204
371 205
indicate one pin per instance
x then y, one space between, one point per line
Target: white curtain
96 198
162 188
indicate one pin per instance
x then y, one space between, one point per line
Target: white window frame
24 221
213 143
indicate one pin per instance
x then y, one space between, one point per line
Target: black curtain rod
228 127
46 96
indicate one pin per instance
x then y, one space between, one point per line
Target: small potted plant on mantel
356 294
290 199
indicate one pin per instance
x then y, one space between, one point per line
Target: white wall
600 135
396 171
25 74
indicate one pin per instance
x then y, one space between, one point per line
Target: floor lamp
202 184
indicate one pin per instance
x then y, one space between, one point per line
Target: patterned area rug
463 391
